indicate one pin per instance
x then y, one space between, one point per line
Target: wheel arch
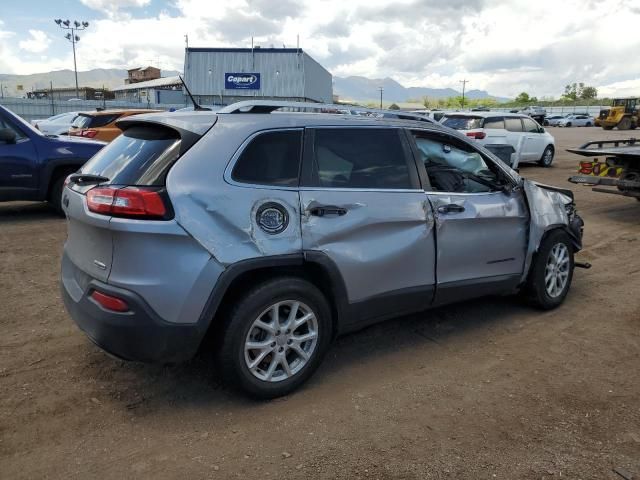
52 171
315 267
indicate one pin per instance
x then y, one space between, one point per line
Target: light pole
73 38
464 84
381 90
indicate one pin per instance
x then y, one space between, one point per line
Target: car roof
116 110
484 114
200 122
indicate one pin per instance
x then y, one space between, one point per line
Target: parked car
33 166
101 125
529 140
276 233
553 120
56 125
535 112
577 120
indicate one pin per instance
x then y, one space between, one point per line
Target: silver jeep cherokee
271 233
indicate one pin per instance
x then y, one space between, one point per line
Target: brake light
88 133
476 135
134 202
109 302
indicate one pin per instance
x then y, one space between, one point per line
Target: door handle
450 208
327 211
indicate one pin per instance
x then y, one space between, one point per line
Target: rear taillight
88 133
109 302
476 135
133 202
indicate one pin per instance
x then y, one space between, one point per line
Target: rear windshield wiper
87 179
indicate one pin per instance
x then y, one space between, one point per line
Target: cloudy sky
503 46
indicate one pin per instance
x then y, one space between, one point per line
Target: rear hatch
126 179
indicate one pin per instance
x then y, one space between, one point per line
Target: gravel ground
485 389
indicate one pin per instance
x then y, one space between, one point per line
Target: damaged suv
270 234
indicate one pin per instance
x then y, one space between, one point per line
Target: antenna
196 107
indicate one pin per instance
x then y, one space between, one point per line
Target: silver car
576 120
270 234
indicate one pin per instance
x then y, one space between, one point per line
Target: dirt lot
486 389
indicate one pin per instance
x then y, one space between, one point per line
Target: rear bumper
138 334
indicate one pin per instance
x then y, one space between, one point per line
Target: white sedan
56 125
576 120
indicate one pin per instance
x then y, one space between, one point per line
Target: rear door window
514 124
360 158
494 123
530 126
462 122
140 156
272 158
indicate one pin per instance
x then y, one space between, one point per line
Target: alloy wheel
281 341
556 274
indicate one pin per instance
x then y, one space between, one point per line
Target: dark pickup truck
33 166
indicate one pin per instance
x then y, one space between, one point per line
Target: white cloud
505 46
37 43
113 7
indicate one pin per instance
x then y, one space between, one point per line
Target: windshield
462 122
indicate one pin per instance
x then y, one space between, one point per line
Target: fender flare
50 166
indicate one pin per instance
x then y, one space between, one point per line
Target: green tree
523 98
393 106
589 93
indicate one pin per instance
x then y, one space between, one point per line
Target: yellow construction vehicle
622 114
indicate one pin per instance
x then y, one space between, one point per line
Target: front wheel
551 271
275 337
547 156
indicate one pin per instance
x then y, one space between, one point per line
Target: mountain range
353 88
367 89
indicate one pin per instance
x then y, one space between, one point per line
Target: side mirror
7 135
541 130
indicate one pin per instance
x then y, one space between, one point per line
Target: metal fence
43 108
593 110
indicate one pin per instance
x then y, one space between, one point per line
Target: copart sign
242 81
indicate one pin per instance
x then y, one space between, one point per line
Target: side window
359 158
530 126
513 124
455 167
17 131
272 158
494 122
102 120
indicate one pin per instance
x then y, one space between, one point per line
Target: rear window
462 122
94 121
272 158
513 124
140 156
494 122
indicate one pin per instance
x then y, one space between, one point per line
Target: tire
547 156
607 128
588 124
540 293
625 124
568 124
240 329
55 194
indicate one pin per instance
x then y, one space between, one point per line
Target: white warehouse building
228 75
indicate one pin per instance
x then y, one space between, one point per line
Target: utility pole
2 90
464 84
73 38
381 90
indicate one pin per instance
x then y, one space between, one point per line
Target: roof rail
269 106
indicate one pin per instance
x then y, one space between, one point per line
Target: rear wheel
547 156
275 337
55 193
568 124
625 124
607 128
588 124
551 271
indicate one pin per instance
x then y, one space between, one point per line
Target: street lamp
73 38
381 90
